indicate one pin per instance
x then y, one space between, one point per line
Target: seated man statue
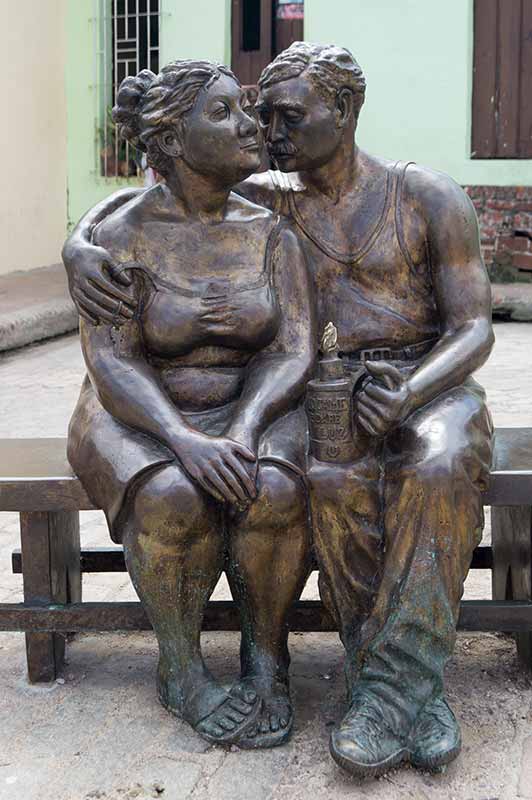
394 253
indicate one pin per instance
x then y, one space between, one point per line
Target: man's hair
330 68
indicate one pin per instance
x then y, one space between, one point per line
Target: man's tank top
375 295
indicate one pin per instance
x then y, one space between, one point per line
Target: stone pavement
100 732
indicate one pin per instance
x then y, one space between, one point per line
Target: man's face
299 126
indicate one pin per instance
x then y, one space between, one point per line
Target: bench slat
222 615
35 474
111 559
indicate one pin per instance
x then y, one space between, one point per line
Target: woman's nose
247 126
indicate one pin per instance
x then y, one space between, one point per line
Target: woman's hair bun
128 101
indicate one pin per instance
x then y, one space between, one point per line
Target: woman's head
192 110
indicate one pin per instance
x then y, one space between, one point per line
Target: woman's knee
281 498
168 501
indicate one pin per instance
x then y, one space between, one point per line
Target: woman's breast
174 325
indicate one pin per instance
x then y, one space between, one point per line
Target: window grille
126 40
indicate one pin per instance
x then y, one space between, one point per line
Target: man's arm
89 268
463 299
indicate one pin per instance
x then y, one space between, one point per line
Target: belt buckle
376 354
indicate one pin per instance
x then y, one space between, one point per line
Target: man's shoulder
432 190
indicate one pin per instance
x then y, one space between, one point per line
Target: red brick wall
503 210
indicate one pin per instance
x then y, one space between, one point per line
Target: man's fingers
373 420
85 314
385 372
367 426
120 275
113 292
367 404
93 309
241 472
103 301
376 392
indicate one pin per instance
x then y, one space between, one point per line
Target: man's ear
344 107
170 143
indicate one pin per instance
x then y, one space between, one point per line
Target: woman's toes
283 722
226 723
236 716
211 729
240 706
274 722
264 726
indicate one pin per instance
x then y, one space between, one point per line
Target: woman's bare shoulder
120 231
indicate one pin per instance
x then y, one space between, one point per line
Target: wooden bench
37 482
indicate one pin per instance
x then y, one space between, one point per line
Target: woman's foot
218 716
274 723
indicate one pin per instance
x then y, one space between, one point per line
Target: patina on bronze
329 406
186 429
394 252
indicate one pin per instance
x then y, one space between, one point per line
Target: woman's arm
277 376
463 299
90 268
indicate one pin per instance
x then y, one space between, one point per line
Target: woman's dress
204 382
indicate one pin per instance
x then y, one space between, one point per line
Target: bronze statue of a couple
202 300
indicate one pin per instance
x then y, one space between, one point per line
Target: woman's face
220 136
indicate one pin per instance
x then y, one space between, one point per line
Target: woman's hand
220 465
385 401
93 281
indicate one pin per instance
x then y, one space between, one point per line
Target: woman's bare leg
269 562
173 543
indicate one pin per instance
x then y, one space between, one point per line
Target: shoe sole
361 770
436 762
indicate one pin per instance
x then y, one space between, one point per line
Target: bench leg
51 574
511 531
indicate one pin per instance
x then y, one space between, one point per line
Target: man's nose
276 129
247 126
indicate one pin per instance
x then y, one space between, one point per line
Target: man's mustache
284 149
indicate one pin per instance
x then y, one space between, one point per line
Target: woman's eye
220 113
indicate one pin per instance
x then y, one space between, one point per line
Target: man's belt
409 352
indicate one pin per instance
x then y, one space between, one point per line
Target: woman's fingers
243 451
371 405
209 488
212 477
241 472
232 481
376 392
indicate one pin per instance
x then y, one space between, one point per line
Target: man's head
309 98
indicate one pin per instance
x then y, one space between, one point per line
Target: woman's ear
344 107
170 144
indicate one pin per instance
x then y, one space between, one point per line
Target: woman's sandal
221 719
261 735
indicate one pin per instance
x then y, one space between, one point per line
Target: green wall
197 29
417 57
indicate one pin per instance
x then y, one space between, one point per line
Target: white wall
33 200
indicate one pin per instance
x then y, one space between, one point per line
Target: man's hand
385 401
93 281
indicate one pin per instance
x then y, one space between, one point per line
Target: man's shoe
365 743
435 739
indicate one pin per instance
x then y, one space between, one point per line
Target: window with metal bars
126 40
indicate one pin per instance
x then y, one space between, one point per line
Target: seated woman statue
188 431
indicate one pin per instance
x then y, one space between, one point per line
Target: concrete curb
35 305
